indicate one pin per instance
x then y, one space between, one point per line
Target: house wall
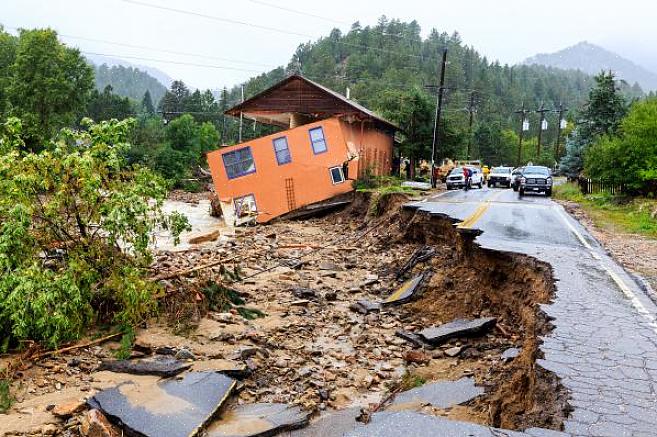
279 189
373 147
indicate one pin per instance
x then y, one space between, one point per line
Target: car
456 180
500 176
537 179
516 175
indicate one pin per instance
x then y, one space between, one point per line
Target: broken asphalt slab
411 424
258 420
158 366
172 407
365 306
457 328
443 394
406 291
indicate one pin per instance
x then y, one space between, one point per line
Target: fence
590 186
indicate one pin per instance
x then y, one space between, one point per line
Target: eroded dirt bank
311 348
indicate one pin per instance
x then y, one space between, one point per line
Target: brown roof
298 94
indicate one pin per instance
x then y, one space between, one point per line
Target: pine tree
147 103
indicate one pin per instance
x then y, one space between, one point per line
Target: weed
222 298
410 381
5 395
127 341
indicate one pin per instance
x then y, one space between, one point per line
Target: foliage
629 158
600 116
569 191
107 105
127 341
49 85
386 68
220 297
5 396
8 45
75 226
147 103
129 82
185 144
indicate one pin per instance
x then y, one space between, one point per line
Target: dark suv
537 179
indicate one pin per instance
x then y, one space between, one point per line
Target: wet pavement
604 345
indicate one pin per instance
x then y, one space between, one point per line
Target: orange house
329 141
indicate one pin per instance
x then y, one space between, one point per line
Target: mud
315 351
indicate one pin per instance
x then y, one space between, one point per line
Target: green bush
75 227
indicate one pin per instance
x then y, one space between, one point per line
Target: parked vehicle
516 175
500 176
456 179
537 179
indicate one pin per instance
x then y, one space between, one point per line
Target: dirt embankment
474 282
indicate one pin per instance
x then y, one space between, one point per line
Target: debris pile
345 314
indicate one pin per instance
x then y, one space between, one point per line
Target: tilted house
328 142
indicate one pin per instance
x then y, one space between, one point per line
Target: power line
262 27
294 11
156 49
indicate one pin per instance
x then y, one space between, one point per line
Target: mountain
128 82
591 59
158 74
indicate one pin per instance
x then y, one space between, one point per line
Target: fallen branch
76 346
194 269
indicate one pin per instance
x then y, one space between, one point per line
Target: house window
337 177
239 163
317 140
282 151
245 206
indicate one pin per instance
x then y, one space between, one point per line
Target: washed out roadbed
310 346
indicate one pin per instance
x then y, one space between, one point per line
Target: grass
410 380
615 214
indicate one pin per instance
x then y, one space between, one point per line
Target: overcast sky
508 30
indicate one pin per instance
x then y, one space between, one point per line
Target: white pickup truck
456 180
500 176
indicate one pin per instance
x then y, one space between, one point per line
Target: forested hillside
128 82
388 66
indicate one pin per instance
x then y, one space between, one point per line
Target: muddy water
199 218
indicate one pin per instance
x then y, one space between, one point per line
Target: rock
327 265
67 409
457 328
510 354
304 293
158 365
453 351
95 424
184 354
365 306
300 303
416 356
331 296
211 236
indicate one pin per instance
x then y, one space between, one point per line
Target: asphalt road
604 345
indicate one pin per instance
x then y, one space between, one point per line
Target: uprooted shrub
75 226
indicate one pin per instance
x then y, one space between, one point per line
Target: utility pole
241 118
523 119
541 111
557 146
471 110
439 108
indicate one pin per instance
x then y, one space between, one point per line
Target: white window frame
339 168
